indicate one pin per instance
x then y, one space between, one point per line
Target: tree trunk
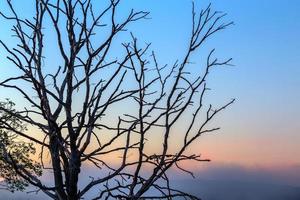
74 170
58 179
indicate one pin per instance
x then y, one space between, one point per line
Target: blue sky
262 127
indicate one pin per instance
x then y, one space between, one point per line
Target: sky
261 131
261 128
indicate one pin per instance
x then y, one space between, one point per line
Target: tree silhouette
96 110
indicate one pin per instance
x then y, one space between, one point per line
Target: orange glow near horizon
261 130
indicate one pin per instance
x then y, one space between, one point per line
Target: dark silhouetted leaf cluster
15 154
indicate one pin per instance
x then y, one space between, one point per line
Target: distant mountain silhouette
238 190
207 190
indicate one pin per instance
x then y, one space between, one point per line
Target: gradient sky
262 128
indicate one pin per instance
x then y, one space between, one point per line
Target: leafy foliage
14 153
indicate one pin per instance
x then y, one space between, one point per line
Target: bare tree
74 105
